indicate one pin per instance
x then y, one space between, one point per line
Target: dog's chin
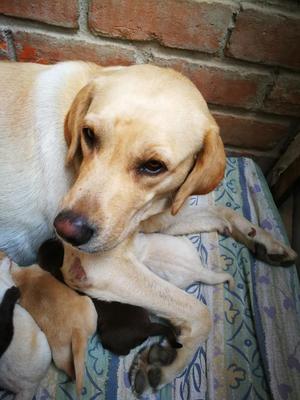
97 247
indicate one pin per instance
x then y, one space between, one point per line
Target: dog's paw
146 373
264 246
278 254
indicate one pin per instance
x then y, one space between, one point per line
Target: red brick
221 85
54 12
46 49
250 132
269 38
186 24
284 97
3 47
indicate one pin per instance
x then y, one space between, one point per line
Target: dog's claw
140 382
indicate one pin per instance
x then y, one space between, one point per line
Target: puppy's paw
146 373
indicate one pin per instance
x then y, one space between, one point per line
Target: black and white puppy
7 307
25 355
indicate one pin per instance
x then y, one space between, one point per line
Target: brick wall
243 56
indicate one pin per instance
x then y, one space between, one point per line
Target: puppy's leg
126 280
227 222
176 260
63 359
7 307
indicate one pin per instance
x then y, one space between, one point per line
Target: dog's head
141 139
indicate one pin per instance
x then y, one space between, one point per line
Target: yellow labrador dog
104 152
98 150
101 150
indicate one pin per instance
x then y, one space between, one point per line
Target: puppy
25 353
7 307
67 318
121 327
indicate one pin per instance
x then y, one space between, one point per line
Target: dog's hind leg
176 260
7 306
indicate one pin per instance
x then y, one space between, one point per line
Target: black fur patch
6 317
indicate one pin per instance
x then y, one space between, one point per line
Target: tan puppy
27 358
66 318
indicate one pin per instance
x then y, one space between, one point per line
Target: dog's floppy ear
208 169
73 122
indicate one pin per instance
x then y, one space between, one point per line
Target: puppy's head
141 139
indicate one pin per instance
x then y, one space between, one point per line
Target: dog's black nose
73 228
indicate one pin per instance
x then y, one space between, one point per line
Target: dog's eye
152 167
89 137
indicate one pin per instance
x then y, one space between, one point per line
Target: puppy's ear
208 170
50 255
73 123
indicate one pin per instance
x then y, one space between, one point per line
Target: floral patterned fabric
253 351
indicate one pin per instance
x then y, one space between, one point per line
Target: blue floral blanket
253 351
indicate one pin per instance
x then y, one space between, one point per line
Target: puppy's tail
79 343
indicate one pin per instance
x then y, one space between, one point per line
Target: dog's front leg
224 221
187 220
126 280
